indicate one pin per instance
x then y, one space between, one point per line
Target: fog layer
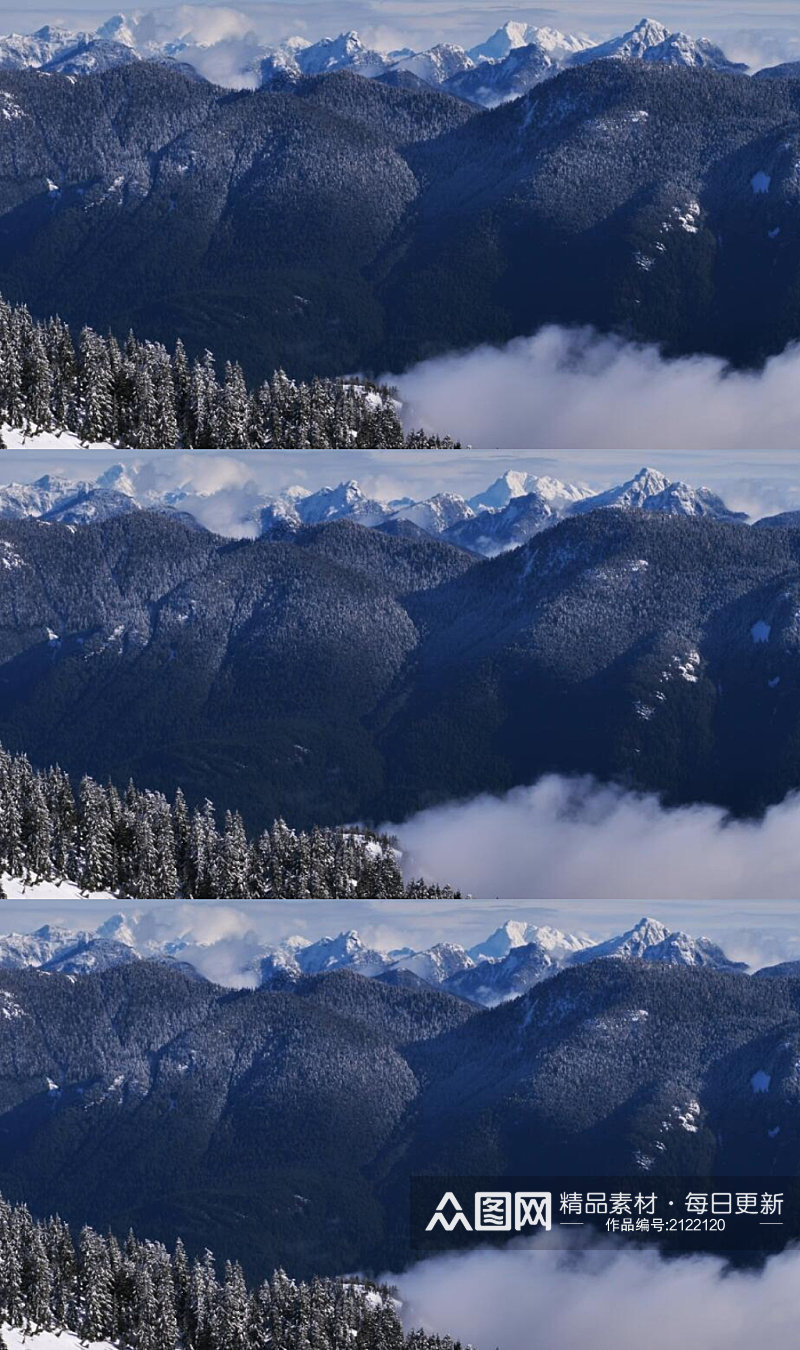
574 389
576 839
610 1300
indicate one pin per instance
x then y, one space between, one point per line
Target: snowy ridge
508 513
237 58
505 965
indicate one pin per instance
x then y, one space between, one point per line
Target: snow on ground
17 439
16 1339
17 889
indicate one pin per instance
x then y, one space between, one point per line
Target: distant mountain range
644 647
282 1125
514 508
508 963
504 66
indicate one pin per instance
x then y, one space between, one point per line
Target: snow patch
9 1008
10 110
689 1117
687 669
9 558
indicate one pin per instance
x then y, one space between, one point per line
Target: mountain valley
655 650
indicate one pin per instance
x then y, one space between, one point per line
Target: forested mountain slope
337 224
343 674
240 222
282 1127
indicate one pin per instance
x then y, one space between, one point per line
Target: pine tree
97 1320
97 838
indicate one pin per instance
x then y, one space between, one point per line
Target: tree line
139 395
138 845
141 1295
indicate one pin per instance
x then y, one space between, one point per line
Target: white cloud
762 47
573 838
205 23
574 389
611 1299
231 62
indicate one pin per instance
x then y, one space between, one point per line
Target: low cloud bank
608 1299
221 941
574 389
576 839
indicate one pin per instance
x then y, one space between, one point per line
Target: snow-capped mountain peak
345 501
511 35
118 29
438 513
653 42
345 52
634 943
557 43
515 483
680 949
438 64
631 45
635 492
438 963
119 479
346 951
118 928
651 490
515 933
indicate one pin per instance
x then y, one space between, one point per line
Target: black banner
725 1214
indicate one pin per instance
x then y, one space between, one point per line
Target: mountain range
508 63
655 650
283 1125
510 961
514 508
335 224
